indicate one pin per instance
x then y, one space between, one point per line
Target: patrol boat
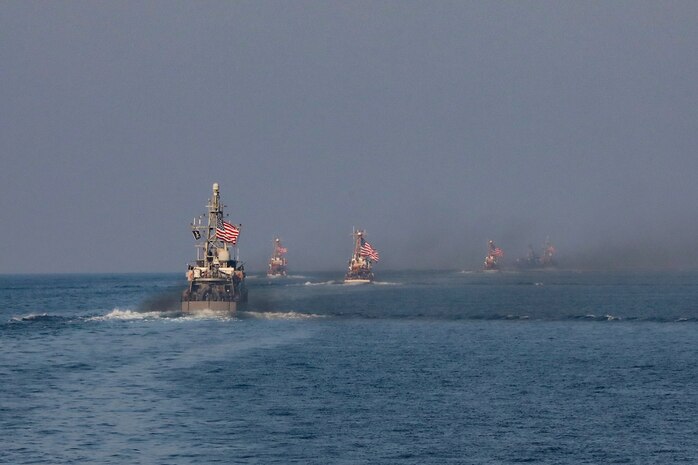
494 253
277 262
217 277
364 255
533 261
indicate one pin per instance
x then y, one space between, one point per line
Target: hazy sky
433 125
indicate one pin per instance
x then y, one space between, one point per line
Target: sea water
417 368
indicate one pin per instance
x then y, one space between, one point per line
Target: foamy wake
126 315
206 314
326 283
288 276
118 314
386 283
264 276
280 315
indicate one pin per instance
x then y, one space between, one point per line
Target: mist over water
434 128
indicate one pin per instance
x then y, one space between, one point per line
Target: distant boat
277 262
216 279
362 259
548 253
494 253
533 261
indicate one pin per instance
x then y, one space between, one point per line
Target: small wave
386 283
30 317
34 317
591 316
280 315
326 283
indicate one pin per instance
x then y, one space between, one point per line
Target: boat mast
357 244
213 211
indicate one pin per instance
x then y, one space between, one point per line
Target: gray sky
433 125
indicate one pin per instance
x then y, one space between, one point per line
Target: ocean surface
418 368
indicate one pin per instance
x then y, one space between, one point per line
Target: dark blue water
430 368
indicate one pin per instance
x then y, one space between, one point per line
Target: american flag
226 232
368 251
497 252
282 250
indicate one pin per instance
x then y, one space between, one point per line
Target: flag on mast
226 232
368 251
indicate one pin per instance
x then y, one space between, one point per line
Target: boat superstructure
277 262
494 253
362 259
217 277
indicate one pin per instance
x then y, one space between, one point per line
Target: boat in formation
277 262
217 277
534 261
494 253
361 262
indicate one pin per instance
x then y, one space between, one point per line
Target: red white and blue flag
226 232
368 251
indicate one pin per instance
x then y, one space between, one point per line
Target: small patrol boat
217 277
362 259
533 261
277 262
494 253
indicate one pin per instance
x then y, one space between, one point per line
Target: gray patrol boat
217 277
362 259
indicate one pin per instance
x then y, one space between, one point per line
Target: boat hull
358 281
225 297
217 306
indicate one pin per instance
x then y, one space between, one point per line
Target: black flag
197 234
